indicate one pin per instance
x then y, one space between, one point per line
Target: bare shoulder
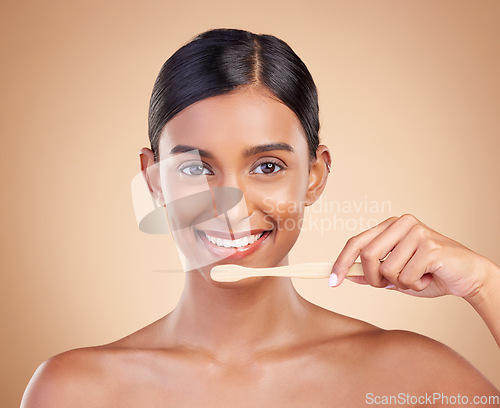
73 378
394 361
95 376
430 362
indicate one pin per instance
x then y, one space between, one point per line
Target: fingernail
333 279
389 286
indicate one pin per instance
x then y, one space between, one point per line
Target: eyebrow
251 151
185 149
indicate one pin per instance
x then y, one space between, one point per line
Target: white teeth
237 243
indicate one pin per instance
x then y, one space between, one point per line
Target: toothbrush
316 270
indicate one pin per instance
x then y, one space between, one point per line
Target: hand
418 260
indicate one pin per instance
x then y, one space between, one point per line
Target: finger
400 256
353 247
414 274
358 279
362 281
387 241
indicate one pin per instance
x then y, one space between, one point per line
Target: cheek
190 210
187 203
284 215
283 205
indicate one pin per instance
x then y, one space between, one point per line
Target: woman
233 111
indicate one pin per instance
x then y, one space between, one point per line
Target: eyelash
191 165
205 167
266 161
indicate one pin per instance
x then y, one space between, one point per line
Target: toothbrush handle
316 270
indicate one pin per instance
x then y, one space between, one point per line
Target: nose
225 199
230 202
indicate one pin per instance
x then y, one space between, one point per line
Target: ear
318 174
149 170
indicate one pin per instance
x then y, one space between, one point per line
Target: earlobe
318 174
151 175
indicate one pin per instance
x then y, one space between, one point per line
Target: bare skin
255 342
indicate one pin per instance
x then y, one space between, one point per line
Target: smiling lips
219 244
237 243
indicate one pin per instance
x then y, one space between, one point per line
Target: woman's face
243 143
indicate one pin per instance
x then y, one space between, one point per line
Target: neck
237 321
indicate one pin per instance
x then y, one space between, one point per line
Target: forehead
248 116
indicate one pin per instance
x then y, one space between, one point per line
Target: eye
195 169
268 167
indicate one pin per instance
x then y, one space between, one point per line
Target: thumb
339 273
358 279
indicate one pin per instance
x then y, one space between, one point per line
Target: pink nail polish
333 279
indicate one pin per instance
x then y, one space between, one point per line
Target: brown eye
268 168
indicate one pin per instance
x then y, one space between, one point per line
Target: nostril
225 198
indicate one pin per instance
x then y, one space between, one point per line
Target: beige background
409 96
